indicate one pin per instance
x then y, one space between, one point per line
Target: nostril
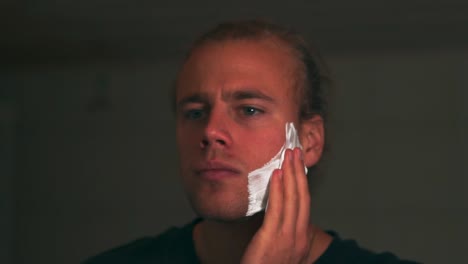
204 143
221 142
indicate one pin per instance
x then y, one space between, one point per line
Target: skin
233 99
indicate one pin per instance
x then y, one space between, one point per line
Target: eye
194 114
250 111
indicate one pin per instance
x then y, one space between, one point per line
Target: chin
225 210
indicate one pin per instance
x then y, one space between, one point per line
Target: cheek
186 145
187 136
264 147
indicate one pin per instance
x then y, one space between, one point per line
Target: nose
217 131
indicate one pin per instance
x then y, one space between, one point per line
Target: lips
216 170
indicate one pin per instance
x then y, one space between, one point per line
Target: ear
312 137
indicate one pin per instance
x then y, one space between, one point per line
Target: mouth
216 170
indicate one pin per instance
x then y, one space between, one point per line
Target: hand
284 236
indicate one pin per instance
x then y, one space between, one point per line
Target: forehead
262 64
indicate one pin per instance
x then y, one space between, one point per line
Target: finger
291 200
274 212
302 192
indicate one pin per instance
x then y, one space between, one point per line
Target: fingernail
290 154
299 151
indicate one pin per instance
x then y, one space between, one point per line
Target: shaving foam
258 179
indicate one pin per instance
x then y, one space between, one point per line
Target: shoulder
157 249
348 251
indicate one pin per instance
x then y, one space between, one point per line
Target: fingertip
288 159
279 173
275 203
291 154
277 177
298 153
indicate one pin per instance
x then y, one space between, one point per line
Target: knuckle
287 240
302 246
286 233
307 200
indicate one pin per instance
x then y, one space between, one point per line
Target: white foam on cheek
258 179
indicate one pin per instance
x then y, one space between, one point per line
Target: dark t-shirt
176 246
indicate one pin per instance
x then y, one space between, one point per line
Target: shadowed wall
88 145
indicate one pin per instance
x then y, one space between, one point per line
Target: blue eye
250 111
194 114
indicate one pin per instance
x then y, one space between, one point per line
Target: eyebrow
194 98
238 95
247 94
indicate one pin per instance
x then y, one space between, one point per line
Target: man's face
233 101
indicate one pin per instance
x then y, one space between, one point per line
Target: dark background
88 156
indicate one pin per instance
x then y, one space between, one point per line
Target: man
240 86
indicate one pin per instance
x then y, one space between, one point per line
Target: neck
224 241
